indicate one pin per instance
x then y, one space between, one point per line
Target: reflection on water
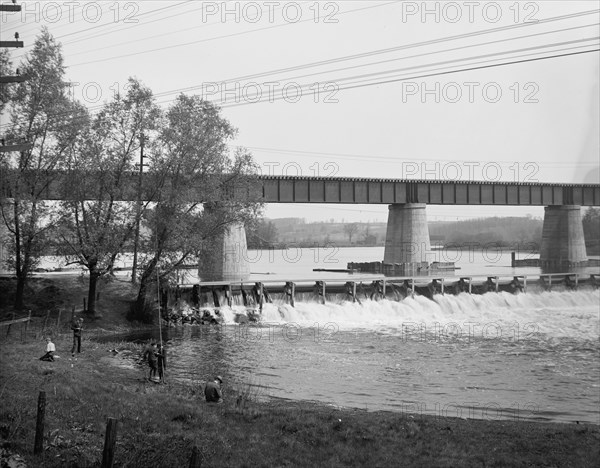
495 356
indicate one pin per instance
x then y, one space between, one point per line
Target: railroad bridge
407 237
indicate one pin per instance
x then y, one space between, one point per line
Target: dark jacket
213 393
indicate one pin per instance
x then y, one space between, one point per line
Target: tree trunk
92 292
20 278
139 312
19 305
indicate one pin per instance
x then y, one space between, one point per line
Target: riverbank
159 424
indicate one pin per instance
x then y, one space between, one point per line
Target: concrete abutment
563 242
225 256
407 236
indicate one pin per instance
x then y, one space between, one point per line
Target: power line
310 65
431 73
226 36
420 55
362 84
102 6
414 45
154 36
394 159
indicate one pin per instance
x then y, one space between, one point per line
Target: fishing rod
162 349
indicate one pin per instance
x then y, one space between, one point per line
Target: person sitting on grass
151 355
212 391
50 350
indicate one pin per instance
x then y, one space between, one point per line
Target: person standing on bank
212 390
151 355
77 327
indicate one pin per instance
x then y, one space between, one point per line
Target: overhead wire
408 46
154 36
103 25
436 72
219 37
416 45
397 158
403 77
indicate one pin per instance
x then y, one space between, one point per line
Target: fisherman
212 390
151 356
77 327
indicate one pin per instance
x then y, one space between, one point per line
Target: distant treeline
508 232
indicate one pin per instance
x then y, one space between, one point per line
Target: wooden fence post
8 328
46 320
27 326
38 446
58 321
195 460
108 454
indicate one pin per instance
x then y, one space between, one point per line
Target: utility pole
139 209
4 148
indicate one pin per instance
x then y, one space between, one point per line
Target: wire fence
26 327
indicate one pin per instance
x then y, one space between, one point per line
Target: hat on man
219 378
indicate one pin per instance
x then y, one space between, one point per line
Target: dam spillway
254 295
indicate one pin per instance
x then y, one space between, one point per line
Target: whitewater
530 356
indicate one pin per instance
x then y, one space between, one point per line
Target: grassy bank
160 424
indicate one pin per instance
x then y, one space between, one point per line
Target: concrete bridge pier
225 256
407 236
563 243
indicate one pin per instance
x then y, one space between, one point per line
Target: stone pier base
407 237
225 257
563 243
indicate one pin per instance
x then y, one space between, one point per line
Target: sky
471 90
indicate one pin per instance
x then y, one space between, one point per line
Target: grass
160 424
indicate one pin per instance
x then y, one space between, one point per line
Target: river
530 356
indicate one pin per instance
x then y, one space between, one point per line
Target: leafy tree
262 234
201 190
97 221
41 114
369 238
5 69
350 230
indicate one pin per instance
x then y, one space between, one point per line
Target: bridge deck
352 190
387 191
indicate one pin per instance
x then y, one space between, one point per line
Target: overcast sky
279 70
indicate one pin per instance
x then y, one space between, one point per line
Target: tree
350 230
369 239
262 234
202 190
98 216
5 69
41 114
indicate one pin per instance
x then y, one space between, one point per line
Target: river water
530 356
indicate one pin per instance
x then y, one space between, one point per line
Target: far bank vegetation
523 233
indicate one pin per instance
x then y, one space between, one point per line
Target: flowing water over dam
529 356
